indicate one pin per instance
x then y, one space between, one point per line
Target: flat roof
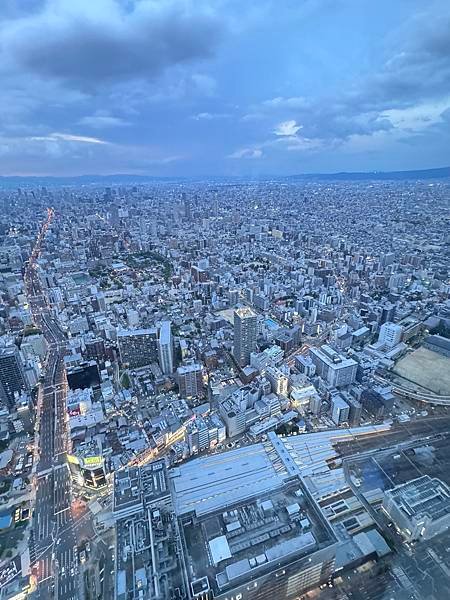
220 550
325 353
136 332
133 485
424 496
165 332
254 536
212 482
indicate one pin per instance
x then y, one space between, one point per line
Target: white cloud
416 118
247 153
254 116
287 128
282 102
206 116
67 137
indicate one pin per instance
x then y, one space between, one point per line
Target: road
52 542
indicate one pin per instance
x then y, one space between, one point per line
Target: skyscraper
12 376
186 206
245 332
165 348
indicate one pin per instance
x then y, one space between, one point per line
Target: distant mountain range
440 173
128 179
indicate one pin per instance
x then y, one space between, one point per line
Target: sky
223 87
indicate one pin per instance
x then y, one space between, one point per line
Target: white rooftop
219 548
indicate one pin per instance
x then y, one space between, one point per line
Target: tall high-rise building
245 333
165 348
190 381
186 206
12 375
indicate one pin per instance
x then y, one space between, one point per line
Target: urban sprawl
225 390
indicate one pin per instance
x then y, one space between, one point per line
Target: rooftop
422 497
253 537
245 312
134 485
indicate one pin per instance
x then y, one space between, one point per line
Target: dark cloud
88 49
13 9
417 71
188 83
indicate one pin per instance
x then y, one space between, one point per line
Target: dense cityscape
224 300
225 390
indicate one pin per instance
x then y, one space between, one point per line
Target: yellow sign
93 461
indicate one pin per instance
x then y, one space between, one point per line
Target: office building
83 375
278 380
165 348
335 369
190 381
234 416
87 466
378 401
245 333
95 349
390 335
272 357
419 508
354 416
340 410
12 375
387 313
138 347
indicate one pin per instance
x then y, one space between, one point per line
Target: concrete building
12 375
165 348
419 508
234 417
190 381
278 380
245 333
378 401
390 335
335 369
138 347
340 410
249 527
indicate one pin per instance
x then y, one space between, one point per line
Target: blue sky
223 87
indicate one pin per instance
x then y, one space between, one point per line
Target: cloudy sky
223 87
